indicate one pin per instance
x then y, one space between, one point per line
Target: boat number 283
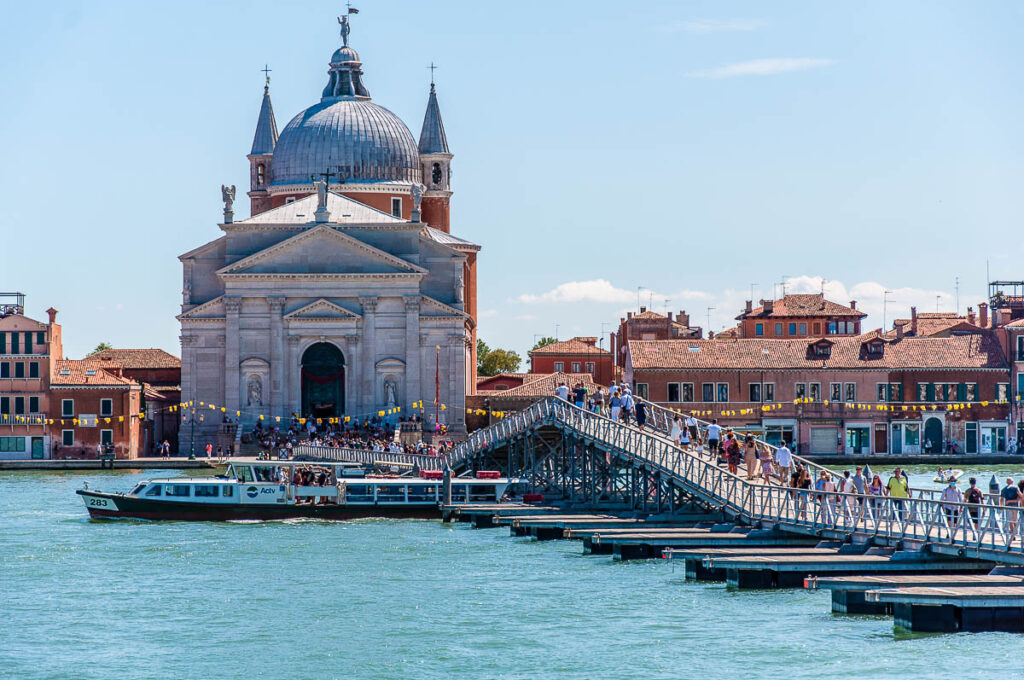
98 502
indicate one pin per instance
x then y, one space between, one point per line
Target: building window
41 337
836 391
590 367
792 329
67 408
3 343
851 391
817 328
15 344
833 328
758 329
673 392
106 437
5 405
755 392
396 206
33 404
106 407
1002 391
800 390
575 367
290 199
971 391
33 369
723 391
815 391
687 391
778 329
19 405
641 390
559 367
769 391
895 391
67 437
5 369
12 444
707 392
803 329
260 175
1020 386
19 369
922 391
882 391
1020 347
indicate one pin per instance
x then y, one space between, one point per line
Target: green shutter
3 343
929 394
961 392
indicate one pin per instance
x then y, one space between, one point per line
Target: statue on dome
345 29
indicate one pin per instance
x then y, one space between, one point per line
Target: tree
500 361
103 346
543 342
494 361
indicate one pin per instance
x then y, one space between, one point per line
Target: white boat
946 475
267 489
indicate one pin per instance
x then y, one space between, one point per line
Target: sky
677 155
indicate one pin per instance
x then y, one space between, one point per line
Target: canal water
406 599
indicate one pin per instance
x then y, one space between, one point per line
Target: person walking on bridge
691 425
1010 497
676 433
733 454
714 434
750 456
950 496
898 491
974 498
641 413
784 459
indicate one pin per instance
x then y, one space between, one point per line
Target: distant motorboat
948 475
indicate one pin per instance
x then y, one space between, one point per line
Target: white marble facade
384 291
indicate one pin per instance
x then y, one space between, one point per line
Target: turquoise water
405 599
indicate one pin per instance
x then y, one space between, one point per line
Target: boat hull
111 505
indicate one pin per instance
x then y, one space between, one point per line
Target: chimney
711 335
853 304
750 306
913 320
52 313
769 306
629 315
669 315
983 315
899 331
997 317
643 309
683 318
971 317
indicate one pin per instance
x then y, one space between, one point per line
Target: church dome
359 140
344 54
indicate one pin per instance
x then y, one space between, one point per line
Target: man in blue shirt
1010 496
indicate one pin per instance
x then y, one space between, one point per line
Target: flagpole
437 386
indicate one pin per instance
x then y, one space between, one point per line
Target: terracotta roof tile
544 384
577 345
85 373
137 358
804 305
957 351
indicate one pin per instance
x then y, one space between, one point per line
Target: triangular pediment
319 310
321 250
213 309
431 307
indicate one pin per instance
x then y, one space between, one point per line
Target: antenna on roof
937 297
710 309
956 287
885 303
823 282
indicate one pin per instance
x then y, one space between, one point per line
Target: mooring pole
447 485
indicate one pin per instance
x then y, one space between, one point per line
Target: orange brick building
799 316
91 406
576 355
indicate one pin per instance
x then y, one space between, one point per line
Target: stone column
232 308
277 373
367 390
412 354
293 400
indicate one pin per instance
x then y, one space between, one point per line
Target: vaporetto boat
267 489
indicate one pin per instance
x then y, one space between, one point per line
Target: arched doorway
933 435
323 381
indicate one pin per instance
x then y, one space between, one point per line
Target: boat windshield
138 489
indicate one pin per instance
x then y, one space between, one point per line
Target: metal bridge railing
366 457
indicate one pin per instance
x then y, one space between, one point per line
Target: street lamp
192 435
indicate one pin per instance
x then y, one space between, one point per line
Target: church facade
344 294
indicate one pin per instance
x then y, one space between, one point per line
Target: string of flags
911 408
184 406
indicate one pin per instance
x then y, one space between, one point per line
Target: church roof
446 239
342 209
265 139
432 137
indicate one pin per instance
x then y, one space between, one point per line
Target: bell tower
436 162
263 143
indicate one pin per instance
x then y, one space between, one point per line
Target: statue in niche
227 194
460 289
254 391
390 396
186 293
436 175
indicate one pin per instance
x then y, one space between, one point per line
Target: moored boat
266 489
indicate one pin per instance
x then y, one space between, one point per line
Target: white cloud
714 26
526 317
762 67
488 314
601 291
